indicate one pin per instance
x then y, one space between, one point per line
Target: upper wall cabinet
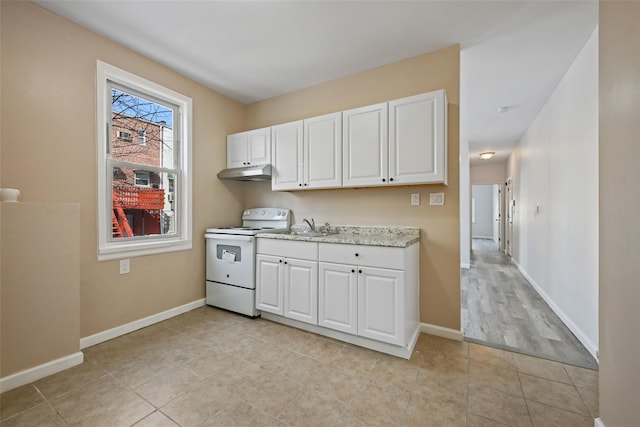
418 139
365 146
308 154
249 148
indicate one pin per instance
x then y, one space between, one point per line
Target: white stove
230 257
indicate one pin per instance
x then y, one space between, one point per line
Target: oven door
231 259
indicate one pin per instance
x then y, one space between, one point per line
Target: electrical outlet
415 199
436 199
125 266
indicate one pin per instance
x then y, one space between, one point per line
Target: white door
301 290
287 156
381 304
237 150
338 297
417 139
259 146
269 296
510 208
365 143
323 151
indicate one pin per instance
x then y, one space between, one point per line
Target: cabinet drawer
288 248
372 256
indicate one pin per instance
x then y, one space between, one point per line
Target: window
144 186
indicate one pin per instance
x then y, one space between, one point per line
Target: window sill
131 250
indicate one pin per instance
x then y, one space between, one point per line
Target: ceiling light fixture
504 109
487 155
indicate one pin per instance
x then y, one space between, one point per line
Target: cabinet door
259 146
338 297
301 290
323 151
286 154
417 139
269 295
365 146
237 150
381 304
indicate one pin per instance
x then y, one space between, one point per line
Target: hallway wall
482 202
554 170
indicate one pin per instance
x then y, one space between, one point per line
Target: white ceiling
513 52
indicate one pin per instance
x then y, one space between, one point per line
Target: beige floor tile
239 345
202 401
339 382
590 399
492 356
498 406
292 339
433 345
321 348
267 331
300 368
389 402
156 419
268 356
558 395
239 413
394 370
140 370
478 421
505 380
210 364
41 415
439 363
166 385
548 416
105 402
18 400
356 418
423 412
62 382
581 377
270 392
450 388
310 408
541 368
359 360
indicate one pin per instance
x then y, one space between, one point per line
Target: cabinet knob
384 180
390 179
305 184
299 185
285 262
280 260
357 254
359 271
353 271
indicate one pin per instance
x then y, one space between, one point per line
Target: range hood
249 173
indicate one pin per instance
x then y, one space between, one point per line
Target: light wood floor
501 309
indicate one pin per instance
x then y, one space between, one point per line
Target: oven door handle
236 237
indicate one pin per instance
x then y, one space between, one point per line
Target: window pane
142 130
142 210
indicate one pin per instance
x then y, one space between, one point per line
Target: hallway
501 309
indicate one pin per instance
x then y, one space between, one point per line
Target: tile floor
213 368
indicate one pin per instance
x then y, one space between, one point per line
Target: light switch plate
436 199
125 266
415 199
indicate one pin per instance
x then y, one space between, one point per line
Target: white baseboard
598 423
439 331
138 324
591 347
37 372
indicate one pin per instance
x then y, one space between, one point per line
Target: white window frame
142 137
109 249
143 175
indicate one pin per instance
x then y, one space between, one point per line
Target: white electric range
231 259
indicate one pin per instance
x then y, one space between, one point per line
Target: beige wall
489 173
40 293
49 153
440 242
619 207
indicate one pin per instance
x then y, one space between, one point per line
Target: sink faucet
311 224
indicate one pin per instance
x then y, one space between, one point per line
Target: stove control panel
273 214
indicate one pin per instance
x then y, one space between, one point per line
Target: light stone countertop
398 237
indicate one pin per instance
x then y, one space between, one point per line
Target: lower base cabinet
381 304
338 297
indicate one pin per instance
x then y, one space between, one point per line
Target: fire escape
136 198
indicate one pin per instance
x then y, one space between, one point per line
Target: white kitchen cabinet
322 166
300 284
381 304
338 297
287 279
365 146
287 155
249 148
269 288
417 139
308 154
